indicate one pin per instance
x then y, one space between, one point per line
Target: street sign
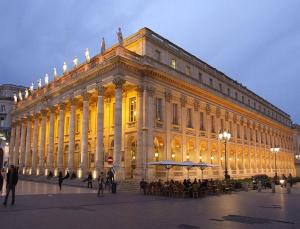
110 160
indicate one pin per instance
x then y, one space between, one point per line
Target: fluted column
167 114
100 126
139 138
84 134
51 140
12 143
28 142
118 82
60 136
22 144
17 144
34 145
72 134
42 143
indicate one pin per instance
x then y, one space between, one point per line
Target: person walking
1 181
290 180
90 180
60 180
101 183
11 182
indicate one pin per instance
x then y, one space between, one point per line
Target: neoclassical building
143 100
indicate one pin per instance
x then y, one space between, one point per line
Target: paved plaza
42 206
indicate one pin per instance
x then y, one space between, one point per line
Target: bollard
259 186
288 188
273 187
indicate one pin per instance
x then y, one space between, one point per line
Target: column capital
168 96
118 82
100 90
73 101
140 89
183 100
85 96
107 100
44 112
218 112
61 106
196 105
151 91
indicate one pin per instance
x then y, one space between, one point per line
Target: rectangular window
132 109
158 109
254 104
173 63
189 118
175 113
228 91
242 99
245 133
220 87
249 102
211 83
2 108
188 70
213 130
200 76
222 125
157 55
236 95
251 134
202 122
230 129
256 136
77 123
238 131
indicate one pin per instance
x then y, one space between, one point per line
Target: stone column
60 147
28 142
34 145
118 82
72 135
100 127
183 102
139 137
51 140
12 143
167 114
84 134
17 144
22 144
42 143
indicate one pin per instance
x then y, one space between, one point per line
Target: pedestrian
11 182
290 180
60 180
90 180
1 181
100 187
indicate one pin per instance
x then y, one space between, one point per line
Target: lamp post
225 137
275 150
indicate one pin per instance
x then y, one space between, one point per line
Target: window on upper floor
249 102
222 125
132 109
77 126
228 91
264 110
2 108
188 70
189 118
245 133
158 109
200 76
173 64
202 121
236 96
211 82
157 55
230 129
256 136
220 87
175 113
238 131
242 99
254 105
213 128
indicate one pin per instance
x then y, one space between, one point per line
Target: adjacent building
143 100
296 131
7 92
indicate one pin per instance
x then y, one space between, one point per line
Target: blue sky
255 42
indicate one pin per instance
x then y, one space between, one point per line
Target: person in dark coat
11 182
90 180
60 180
1 182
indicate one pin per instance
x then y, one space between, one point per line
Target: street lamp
225 136
275 150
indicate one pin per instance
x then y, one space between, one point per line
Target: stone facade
296 133
145 100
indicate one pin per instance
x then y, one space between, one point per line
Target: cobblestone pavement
73 208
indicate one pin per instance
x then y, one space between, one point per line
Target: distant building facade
296 133
7 92
144 100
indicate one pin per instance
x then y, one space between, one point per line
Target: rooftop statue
120 36
31 88
39 82
102 45
15 98
46 79
20 95
65 68
87 55
26 93
54 72
75 61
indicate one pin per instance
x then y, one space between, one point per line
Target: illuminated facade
142 100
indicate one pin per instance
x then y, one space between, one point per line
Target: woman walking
60 180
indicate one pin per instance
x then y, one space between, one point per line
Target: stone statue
46 79
87 55
65 68
15 98
31 88
102 45
54 72
39 82
75 61
26 93
120 36
20 95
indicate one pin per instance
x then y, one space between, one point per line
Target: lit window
132 109
175 114
202 122
77 122
173 63
213 130
188 70
245 133
158 107
189 118
238 131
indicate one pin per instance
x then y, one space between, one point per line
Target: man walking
11 182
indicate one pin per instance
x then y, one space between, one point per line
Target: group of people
11 182
286 180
